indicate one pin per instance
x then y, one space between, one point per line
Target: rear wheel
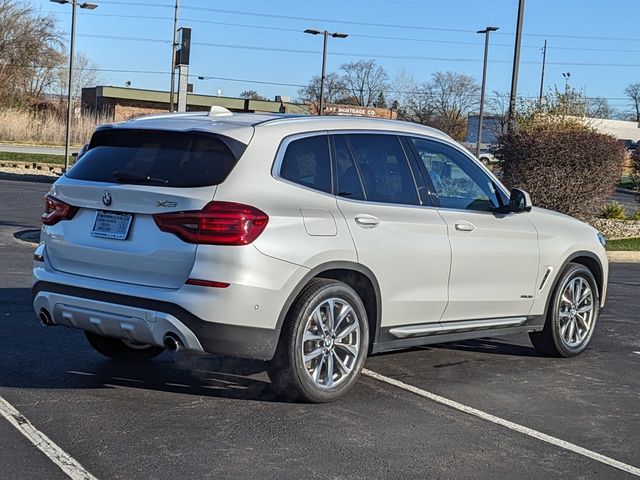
323 344
122 350
572 314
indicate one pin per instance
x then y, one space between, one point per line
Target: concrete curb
624 257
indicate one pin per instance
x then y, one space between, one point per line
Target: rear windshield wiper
135 177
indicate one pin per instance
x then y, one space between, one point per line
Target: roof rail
217 111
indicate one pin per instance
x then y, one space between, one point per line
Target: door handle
367 221
465 227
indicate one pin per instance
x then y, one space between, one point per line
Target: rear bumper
148 321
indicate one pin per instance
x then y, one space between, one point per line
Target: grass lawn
625 244
32 157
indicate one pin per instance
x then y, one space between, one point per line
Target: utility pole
544 61
486 32
173 56
516 66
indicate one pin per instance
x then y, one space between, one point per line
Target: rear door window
384 168
306 162
164 158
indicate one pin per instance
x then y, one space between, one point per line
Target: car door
494 255
398 236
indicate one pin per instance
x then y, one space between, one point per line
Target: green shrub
613 211
563 163
636 216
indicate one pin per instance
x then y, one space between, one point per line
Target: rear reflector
56 210
218 223
38 258
206 283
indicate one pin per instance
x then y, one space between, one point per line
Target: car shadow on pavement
33 356
491 345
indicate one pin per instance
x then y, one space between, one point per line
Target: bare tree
365 81
419 106
633 92
86 73
334 90
598 107
252 95
28 40
445 102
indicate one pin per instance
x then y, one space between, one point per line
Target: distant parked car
310 242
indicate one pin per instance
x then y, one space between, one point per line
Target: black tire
551 341
121 351
289 375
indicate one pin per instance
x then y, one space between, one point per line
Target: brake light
56 210
218 223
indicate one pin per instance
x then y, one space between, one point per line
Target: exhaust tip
45 317
171 343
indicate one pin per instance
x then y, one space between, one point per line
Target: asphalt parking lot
197 416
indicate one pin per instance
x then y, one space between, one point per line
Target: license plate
111 225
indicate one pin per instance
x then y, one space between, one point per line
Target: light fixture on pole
74 4
325 34
486 32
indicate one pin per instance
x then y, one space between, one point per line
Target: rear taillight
56 210
218 223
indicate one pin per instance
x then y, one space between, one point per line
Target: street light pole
486 32
516 66
74 4
325 35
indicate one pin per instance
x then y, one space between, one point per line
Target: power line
362 55
367 24
357 35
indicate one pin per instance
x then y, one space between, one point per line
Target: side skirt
389 343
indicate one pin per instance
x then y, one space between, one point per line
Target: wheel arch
358 277
587 259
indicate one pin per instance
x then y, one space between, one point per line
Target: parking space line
505 423
66 462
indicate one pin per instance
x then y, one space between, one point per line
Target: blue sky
597 42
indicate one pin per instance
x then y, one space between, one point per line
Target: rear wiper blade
135 177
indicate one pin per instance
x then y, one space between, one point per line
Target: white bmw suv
310 242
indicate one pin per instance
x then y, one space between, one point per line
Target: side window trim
280 154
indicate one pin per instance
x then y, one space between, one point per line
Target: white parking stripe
637 353
506 423
66 462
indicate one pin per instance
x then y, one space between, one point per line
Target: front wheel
323 345
572 314
122 350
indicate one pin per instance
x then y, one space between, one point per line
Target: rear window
164 158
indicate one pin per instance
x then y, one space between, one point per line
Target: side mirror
519 201
82 151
